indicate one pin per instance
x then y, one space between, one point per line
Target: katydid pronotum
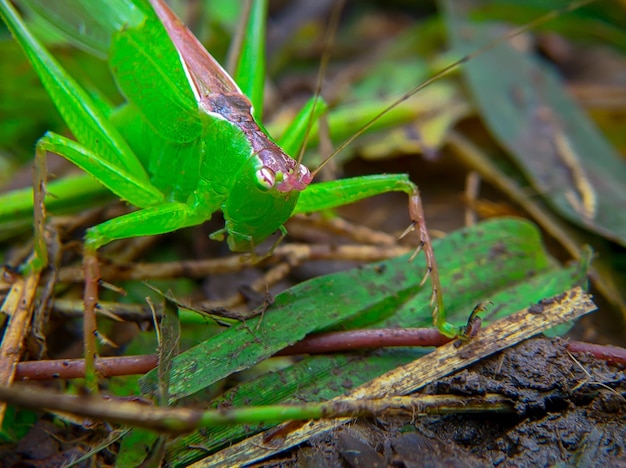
186 145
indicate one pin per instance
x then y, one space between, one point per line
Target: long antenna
331 31
444 71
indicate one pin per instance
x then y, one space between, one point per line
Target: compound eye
265 178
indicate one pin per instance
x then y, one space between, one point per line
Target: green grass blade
86 24
249 72
63 196
293 137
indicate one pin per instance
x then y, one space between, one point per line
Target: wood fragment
18 306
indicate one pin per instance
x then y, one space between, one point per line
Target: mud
568 410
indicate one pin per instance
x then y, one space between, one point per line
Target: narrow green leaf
529 112
87 24
136 446
250 69
316 378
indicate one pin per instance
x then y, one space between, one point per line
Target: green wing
147 67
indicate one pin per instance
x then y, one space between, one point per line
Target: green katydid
186 144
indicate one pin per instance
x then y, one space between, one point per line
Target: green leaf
136 446
476 264
528 110
16 424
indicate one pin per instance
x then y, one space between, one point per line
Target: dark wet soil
568 411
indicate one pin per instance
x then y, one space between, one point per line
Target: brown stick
75 368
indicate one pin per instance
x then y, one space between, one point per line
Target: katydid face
274 169
256 207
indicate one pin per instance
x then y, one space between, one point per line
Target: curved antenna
331 31
444 71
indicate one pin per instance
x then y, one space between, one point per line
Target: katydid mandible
186 144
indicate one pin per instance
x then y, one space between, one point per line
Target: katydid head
262 197
263 192
274 168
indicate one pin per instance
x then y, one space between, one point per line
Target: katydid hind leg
123 184
40 254
90 328
39 259
333 194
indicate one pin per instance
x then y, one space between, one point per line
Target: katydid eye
265 178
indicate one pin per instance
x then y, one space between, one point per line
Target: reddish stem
316 344
611 354
75 368
361 339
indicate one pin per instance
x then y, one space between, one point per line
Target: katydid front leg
328 195
161 219
157 219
